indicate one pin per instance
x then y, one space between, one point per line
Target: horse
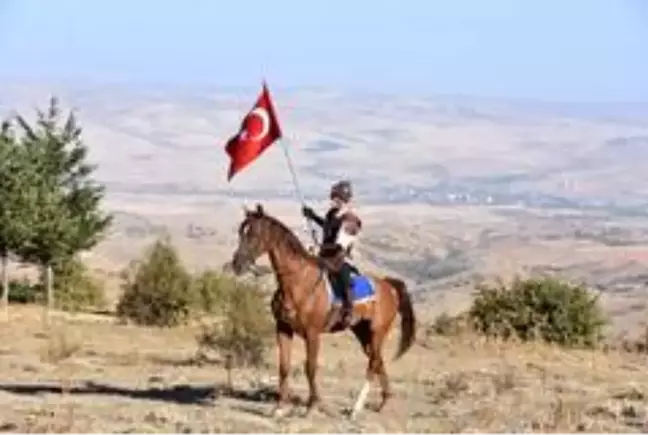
304 300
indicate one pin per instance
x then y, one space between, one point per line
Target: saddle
332 274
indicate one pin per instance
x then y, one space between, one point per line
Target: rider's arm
315 217
319 220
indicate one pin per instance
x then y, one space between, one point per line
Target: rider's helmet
342 190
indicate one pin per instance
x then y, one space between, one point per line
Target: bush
157 290
539 308
243 332
209 290
24 292
76 289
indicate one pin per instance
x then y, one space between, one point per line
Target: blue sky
577 50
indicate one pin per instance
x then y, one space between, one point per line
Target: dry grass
98 376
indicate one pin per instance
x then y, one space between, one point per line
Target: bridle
246 253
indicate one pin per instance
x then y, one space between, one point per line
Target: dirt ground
91 374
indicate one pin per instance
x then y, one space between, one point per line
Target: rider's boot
347 304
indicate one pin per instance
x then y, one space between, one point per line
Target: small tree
157 288
242 333
68 218
76 288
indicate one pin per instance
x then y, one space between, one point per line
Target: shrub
539 308
24 292
209 290
156 289
243 332
76 289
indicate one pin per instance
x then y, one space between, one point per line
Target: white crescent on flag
264 117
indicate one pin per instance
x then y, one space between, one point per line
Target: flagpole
293 174
291 168
300 195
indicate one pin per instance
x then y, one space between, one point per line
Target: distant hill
395 148
453 189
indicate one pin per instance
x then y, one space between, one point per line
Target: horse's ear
259 209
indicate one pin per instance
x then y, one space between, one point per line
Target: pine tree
16 204
68 217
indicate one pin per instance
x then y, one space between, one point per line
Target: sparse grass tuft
59 347
448 326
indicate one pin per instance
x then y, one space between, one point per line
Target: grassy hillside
94 375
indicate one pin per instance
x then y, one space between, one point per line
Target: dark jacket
336 246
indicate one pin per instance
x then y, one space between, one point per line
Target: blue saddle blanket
362 289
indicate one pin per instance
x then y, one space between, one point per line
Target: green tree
16 176
68 217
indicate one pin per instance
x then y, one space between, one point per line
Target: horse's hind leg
371 342
379 369
284 342
363 333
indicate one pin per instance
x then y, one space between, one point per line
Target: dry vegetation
98 373
91 374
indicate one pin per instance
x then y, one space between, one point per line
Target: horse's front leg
284 342
313 342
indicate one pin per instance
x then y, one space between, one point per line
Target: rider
340 227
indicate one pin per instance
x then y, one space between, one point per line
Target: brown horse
303 301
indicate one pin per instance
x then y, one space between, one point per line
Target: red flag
258 131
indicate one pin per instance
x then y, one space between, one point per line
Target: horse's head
253 240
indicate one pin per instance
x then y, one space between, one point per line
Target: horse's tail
408 319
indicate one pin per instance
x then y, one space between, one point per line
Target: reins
310 290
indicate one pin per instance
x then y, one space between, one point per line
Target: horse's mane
292 241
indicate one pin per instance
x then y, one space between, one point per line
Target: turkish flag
258 131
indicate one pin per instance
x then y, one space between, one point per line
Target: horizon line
140 85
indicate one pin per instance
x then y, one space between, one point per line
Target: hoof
383 402
312 405
279 412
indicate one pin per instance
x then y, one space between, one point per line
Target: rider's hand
308 212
